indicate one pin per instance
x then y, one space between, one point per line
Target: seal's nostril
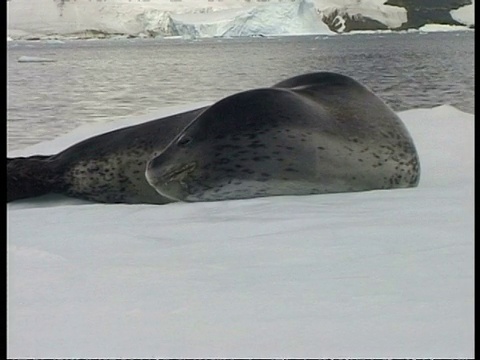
184 140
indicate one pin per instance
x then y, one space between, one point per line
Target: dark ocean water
97 81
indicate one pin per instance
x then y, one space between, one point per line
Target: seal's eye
184 140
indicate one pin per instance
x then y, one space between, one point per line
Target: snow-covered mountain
30 19
349 15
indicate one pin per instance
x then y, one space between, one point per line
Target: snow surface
384 273
465 14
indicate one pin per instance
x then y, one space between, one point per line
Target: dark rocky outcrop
354 22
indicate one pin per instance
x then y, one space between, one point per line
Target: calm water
94 81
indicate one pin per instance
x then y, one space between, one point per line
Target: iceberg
34 59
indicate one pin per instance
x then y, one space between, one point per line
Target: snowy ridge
189 18
386 273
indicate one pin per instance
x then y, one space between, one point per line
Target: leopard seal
311 134
314 133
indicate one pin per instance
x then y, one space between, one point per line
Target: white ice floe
441 27
386 273
34 59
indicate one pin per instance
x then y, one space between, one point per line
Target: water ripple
97 81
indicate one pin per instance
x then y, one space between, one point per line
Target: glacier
146 19
299 18
47 19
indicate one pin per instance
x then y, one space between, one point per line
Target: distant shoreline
72 37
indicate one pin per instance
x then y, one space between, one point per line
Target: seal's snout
178 173
159 175
170 181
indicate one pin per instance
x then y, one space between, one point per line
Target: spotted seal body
311 134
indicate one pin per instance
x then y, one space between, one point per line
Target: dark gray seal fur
310 134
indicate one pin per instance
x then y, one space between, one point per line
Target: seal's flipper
29 177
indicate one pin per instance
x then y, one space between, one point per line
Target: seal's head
234 151
311 134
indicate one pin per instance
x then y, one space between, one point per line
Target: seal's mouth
177 173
